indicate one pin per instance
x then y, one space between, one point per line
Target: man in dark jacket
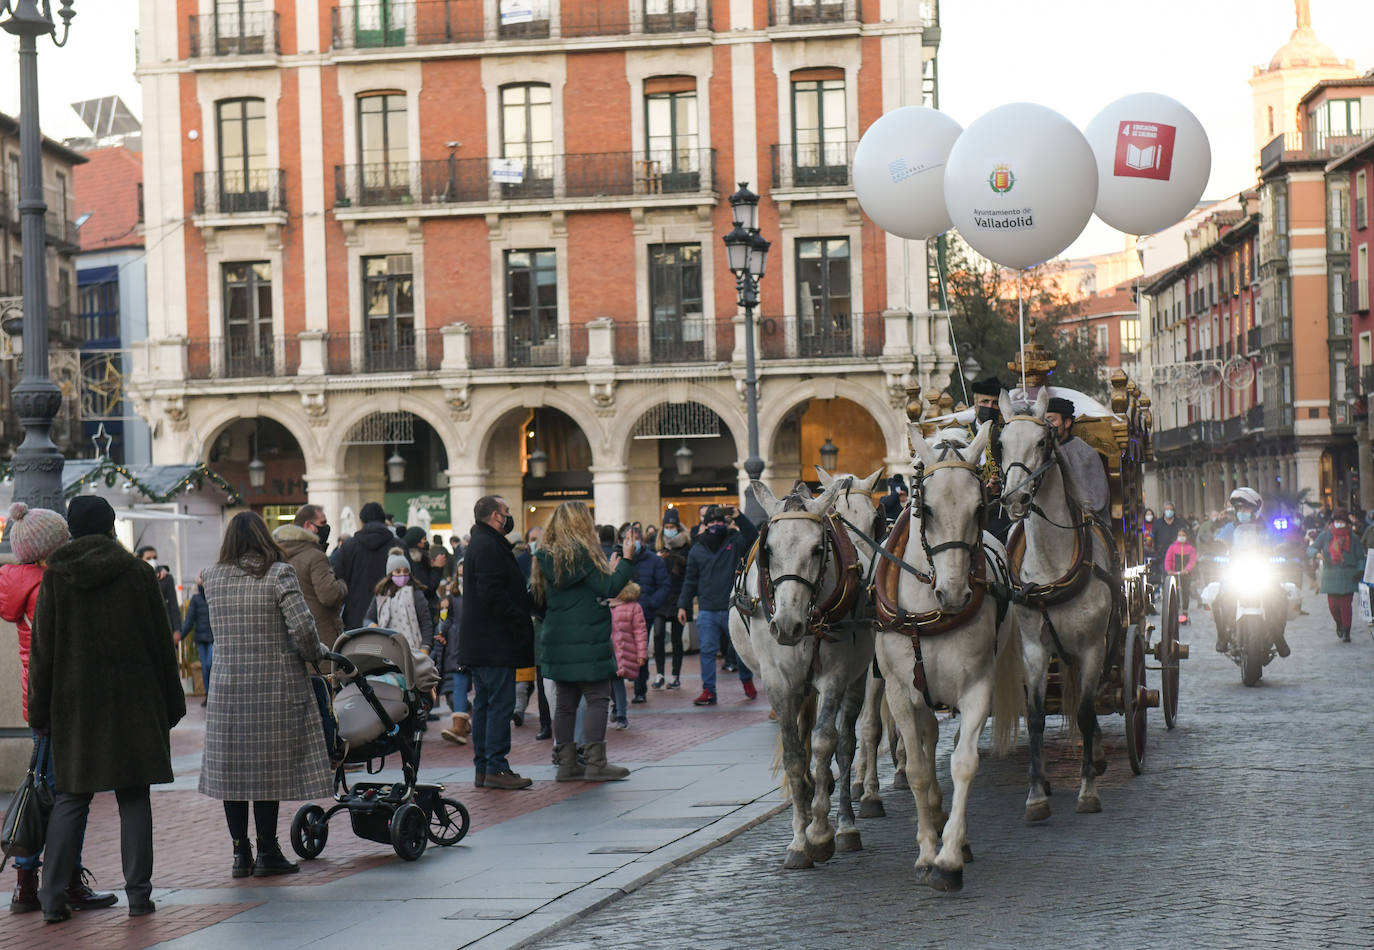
711 566
197 622
166 584
303 542
651 574
495 638
103 684
361 562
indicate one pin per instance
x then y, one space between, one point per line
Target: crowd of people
488 619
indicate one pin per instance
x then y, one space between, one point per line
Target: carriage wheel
1169 653
448 823
409 831
1133 706
309 831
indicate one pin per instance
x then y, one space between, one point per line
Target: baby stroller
374 709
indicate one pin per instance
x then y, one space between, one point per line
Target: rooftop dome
1304 50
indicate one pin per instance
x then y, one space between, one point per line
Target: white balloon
1020 184
1153 159
899 171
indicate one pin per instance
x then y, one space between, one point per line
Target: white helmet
1247 496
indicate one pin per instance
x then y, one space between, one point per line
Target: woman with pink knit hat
33 534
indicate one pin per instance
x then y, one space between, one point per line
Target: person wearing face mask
166 584
1249 531
672 548
495 638
651 574
986 393
401 603
1181 559
710 580
1163 533
304 541
1342 555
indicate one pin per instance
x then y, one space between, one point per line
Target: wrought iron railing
242 357
1310 146
493 347
235 34
819 336
257 191
812 12
385 349
815 165
680 341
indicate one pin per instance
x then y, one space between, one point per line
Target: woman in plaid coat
263 741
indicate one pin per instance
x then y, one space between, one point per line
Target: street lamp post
37 464
747 253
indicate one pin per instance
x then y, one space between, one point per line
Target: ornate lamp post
747 253
37 463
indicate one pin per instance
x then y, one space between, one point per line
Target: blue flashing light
1280 524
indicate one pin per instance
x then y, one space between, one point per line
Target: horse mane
794 501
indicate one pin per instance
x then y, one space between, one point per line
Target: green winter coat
574 644
1345 577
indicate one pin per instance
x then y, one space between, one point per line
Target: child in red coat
630 639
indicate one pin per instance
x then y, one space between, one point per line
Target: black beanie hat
1060 405
372 512
991 386
89 514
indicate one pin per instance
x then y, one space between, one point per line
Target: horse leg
925 785
905 713
847 837
820 834
798 779
899 761
974 707
1090 671
1036 660
871 729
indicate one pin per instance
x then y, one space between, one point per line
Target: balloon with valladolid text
1153 159
899 171
1020 184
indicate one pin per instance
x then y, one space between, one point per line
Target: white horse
1064 577
791 625
938 639
875 721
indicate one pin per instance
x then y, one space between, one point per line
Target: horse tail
1008 692
806 721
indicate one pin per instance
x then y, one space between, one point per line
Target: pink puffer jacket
629 637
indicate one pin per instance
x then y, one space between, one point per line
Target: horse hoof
822 852
848 841
1089 806
923 873
872 808
899 780
1037 811
856 790
797 861
942 880
968 853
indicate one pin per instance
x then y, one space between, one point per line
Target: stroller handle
344 662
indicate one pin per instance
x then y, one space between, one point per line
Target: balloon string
954 341
1021 322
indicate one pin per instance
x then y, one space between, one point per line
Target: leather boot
243 858
598 769
1345 634
271 861
25 897
81 897
565 757
460 730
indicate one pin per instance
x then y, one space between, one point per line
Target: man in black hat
986 393
1087 477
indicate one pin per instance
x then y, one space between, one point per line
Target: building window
527 140
930 84
669 16
672 162
1104 340
1361 200
242 127
817 11
98 303
1336 117
1130 335
1269 115
528 19
380 23
240 26
60 203
1362 263
678 326
823 324
532 308
383 147
248 347
1338 280
819 145
389 313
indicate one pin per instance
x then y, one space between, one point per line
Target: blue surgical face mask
639 547
1242 516
670 532
1168 512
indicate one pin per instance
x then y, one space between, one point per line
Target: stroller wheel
409 833
309 831
448 823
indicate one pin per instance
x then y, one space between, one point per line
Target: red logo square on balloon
1144 150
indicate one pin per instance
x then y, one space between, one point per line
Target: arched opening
400 458
539 457
818 430
264 462
692 456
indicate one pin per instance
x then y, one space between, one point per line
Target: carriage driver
985 396
1249 531
1086 473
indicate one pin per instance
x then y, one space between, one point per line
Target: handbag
26 818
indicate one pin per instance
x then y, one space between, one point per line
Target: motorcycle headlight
1251 570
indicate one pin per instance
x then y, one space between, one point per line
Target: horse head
854 500
949 488
793 548
1027 449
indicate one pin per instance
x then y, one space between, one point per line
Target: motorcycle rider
1249 532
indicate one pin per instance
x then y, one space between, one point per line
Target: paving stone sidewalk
1251 827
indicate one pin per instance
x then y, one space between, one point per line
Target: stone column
1364 453
465 486
331 491
1307 464
611 493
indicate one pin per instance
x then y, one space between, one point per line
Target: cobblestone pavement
1251 827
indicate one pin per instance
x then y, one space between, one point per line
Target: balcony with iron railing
440 183
812 166
1252 340
60 229
242 357
1309 146
839 336
813 13
373 26
235 35
255 192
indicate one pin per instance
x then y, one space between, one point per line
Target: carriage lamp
683 459
396 467
758 256
257 472
538 463
737 251
830 455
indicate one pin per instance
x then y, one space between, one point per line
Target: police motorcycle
1251 603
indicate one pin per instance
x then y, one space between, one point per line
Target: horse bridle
919 506
1046 445
766 578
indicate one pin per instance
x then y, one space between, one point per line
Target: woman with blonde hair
573 580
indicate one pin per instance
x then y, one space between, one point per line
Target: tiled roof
106 187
